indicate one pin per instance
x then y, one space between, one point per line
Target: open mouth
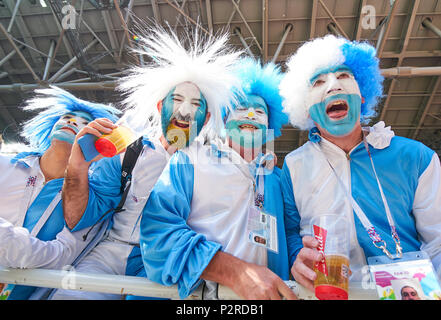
337 109
247 127
180 123
70 130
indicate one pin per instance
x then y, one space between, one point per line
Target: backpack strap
132 153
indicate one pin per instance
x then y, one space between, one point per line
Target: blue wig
264 82
326 53
362 60
55 103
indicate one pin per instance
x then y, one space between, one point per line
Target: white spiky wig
320 54
207 62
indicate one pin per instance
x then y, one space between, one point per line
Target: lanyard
370 229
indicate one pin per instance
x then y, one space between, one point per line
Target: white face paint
249 115
325 85
335 101
186 101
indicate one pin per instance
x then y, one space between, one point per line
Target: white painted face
183 108
339 81
251 114
186 101
67 127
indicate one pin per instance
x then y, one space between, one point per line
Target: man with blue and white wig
388 187
216 212
32 227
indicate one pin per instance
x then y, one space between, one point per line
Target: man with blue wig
172 102
32 228
388 187
215 216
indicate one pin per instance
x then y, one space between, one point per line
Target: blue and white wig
263 81
325 53
206 61
55 103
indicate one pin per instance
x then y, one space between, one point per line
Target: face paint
335 100
248 123
183 114
67 127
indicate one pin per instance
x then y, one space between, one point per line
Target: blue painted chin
246 139
339 127
62 135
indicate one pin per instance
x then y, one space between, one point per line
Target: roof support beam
360 19
232 13
382 41
209 16
313 18
238 33
156 12
34 75
288 29
14 14
427 23
423 112
49 60
187 17
23 29
246 25
71 62
182 7
333 19
265 30
402 54
110 33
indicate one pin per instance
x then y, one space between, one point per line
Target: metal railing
129 285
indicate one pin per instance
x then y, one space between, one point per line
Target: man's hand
247 280
302 269
97 127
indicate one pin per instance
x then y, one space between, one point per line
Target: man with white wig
173 100
388 187
32 229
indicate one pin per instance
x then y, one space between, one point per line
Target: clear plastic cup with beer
332 232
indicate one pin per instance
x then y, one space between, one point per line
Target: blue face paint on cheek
339 127
167 111
64 131
201 114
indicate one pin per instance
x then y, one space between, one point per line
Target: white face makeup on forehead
338 81
334 100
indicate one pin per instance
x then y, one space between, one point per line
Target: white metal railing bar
138 286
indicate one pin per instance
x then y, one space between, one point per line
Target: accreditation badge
262 229
411 277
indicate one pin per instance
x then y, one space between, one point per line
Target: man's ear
363 100
159 106
207 117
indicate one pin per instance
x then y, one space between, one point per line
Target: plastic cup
332 232
111 144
